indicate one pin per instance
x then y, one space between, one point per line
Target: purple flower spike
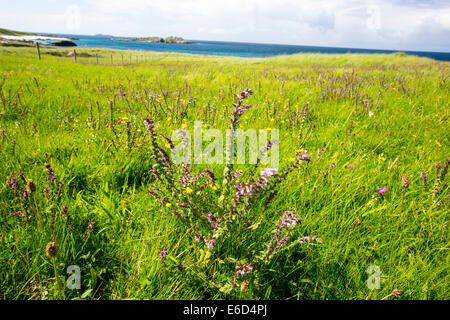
382 190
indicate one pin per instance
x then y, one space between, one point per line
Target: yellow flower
381 157
125 118
189 190
168 205
138 130
184 125
214 187
437 142
167 146
282 121
169 118
299 150
291 159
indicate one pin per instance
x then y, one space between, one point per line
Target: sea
222 48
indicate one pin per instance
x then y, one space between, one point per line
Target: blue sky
377 24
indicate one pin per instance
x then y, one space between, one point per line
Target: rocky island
154 39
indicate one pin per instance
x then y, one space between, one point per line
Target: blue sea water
237 49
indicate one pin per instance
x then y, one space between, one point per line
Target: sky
373 24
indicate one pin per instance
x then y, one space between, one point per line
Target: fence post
96 57
38 51
111 59
75 55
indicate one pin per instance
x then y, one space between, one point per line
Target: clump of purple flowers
163 254
382 190
244 269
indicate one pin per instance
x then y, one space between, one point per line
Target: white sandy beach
32 38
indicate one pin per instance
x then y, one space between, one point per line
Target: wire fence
101 59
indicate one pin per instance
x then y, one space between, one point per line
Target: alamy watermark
212 146
374 280
74 280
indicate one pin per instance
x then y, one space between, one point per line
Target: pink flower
382 190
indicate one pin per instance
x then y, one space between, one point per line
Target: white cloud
384 24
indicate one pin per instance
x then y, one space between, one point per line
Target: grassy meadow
85 179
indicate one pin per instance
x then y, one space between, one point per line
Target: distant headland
154 39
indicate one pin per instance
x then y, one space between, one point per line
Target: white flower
371 114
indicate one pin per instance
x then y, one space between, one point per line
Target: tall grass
365 121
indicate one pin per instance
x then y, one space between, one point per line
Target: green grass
7 32
59 113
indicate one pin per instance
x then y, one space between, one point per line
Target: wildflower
236 174
381 158
244 285
288 219
189 190
352 166
371 114
405 181
382 190
309 239
24 194
437 142
333 165
64 209
244 269
423 176
397 293
12 214
51 249
198 237
268 172
304 157
11 182
168 205
210 243
163 254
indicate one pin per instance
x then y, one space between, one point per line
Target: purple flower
210 243
352 166
163 254
198 237
288 219
268 172
12 183
382 190
333 165
24 194
244 269
64 209
12 214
